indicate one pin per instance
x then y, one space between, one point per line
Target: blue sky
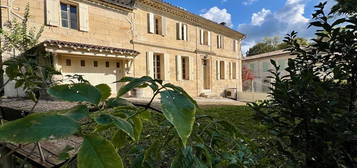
256 18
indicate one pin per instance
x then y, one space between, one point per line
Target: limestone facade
170 43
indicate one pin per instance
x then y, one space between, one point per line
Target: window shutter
218 70
235 45
230 70
225 70
201 37
179 67
150 64
163 26
191 71
53 12
179 31
222 41
151 23
166 67
209 39
185 32
83 17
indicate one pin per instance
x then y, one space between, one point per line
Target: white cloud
249 2
218 15
259 17
266 23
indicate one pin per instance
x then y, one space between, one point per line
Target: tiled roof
90 47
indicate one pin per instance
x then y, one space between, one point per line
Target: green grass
240 116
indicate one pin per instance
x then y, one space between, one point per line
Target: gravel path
42 106
46 105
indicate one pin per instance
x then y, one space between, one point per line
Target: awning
64 47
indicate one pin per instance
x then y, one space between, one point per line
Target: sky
257 18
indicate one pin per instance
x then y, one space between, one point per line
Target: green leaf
120 123
180 111
120 139
78 112
115 102
138 127
181 90
76 93
126 79
12 71
186 158
134 83
96 152
37 127
104 90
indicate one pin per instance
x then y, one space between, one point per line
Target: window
265 66
234 70
118 64
205 37
235 45
252 67
182 31
220 41
185 68
68 62
107 64
157 24
95 63
69 16
222 69
158 66
282 64
83 63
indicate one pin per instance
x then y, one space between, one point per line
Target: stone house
105 40
257 86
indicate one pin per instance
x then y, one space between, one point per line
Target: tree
270 44
312 111
25 68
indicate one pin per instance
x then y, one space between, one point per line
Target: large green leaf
134 83
120 139
96 152
36 127
104 90
106 119
182 91
78 112
76 93
138 127
180 111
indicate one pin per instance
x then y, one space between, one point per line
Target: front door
206 74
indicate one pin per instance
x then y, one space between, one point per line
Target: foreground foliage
312 112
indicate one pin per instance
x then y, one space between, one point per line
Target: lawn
240 116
